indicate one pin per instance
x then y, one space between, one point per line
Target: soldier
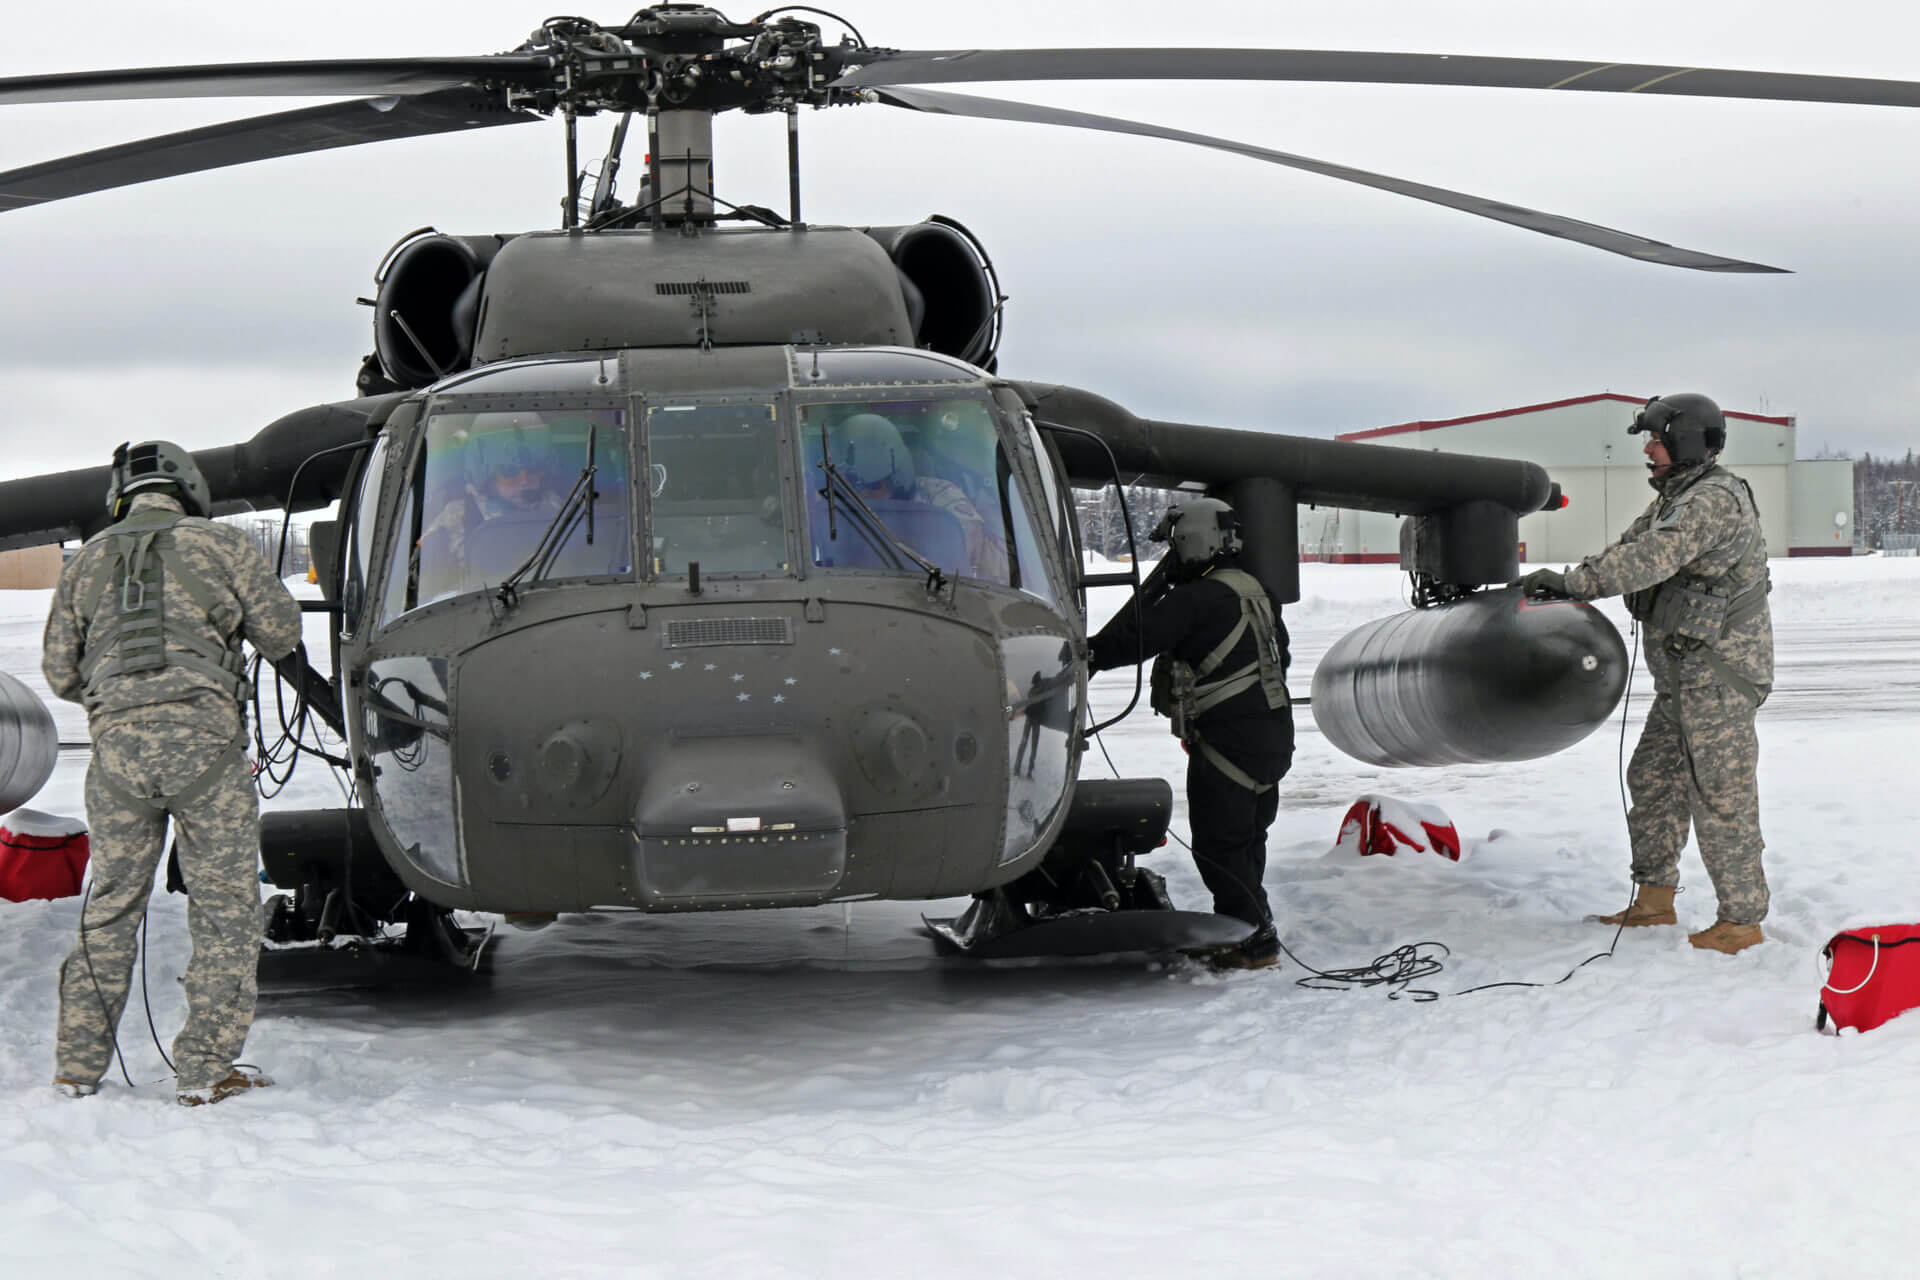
1220 673
1693 569
502 475
870 453
145 632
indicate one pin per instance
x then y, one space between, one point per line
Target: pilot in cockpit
874 459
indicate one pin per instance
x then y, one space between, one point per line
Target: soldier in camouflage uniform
145 632
1693 569
877 462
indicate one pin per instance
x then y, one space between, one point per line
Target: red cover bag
1874 976
1384 825
41 856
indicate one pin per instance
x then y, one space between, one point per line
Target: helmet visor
1653 419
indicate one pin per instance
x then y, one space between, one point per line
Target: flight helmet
1200 531
510 463
869 451
156 464
1691 426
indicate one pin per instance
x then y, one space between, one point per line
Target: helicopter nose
739 820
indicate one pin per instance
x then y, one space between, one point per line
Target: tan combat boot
1727 937
1652 904
238 1080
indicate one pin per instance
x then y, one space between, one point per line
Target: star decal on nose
709 667
743 697
646 675
675 665
736 677
779 697
790 680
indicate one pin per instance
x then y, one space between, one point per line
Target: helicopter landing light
743 824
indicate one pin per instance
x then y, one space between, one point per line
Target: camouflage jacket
1702 530
986 554
249 602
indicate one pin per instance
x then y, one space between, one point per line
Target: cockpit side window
930 474
495 493
366 509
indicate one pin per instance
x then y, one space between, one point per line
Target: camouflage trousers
217 835
1695 765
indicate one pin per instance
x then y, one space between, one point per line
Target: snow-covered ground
810 1093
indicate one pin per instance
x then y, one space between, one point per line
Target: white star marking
675 665
736 677
834 652
709 667
646 675
779 697
743 697
790 680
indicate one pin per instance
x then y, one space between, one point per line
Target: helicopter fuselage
763 678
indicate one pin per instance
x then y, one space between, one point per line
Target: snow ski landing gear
335 928
1087 898
997 928
435 949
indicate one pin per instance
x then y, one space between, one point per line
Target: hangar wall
1584 446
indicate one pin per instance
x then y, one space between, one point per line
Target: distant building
30 568
1806 505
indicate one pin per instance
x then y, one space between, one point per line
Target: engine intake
953 296
427 309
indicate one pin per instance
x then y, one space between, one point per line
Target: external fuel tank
29 744
1493 677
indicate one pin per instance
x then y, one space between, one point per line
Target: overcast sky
1187 285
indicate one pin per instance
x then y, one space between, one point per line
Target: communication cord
1399 968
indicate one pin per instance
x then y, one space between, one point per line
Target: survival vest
124 606
1696 612
1183 693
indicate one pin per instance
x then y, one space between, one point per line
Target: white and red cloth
41 856
1382 824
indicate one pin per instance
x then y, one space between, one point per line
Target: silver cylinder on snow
1493 677
29 744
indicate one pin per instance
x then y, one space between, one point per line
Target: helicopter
691 556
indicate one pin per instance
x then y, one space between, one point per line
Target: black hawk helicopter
691 556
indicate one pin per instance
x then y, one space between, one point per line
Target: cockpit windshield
495 484
933 471
713 473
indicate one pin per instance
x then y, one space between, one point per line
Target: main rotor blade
1621 242
976 65
328 79
287 133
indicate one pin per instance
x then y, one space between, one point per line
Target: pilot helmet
1200 531
157 464
508 462
868 450
1691 426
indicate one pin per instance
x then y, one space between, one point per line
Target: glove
1550 583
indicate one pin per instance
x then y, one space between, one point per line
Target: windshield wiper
873 525
560 528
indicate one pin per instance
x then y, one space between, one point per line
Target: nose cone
739 821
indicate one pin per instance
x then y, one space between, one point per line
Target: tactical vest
1697 612
1184 692
128 631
